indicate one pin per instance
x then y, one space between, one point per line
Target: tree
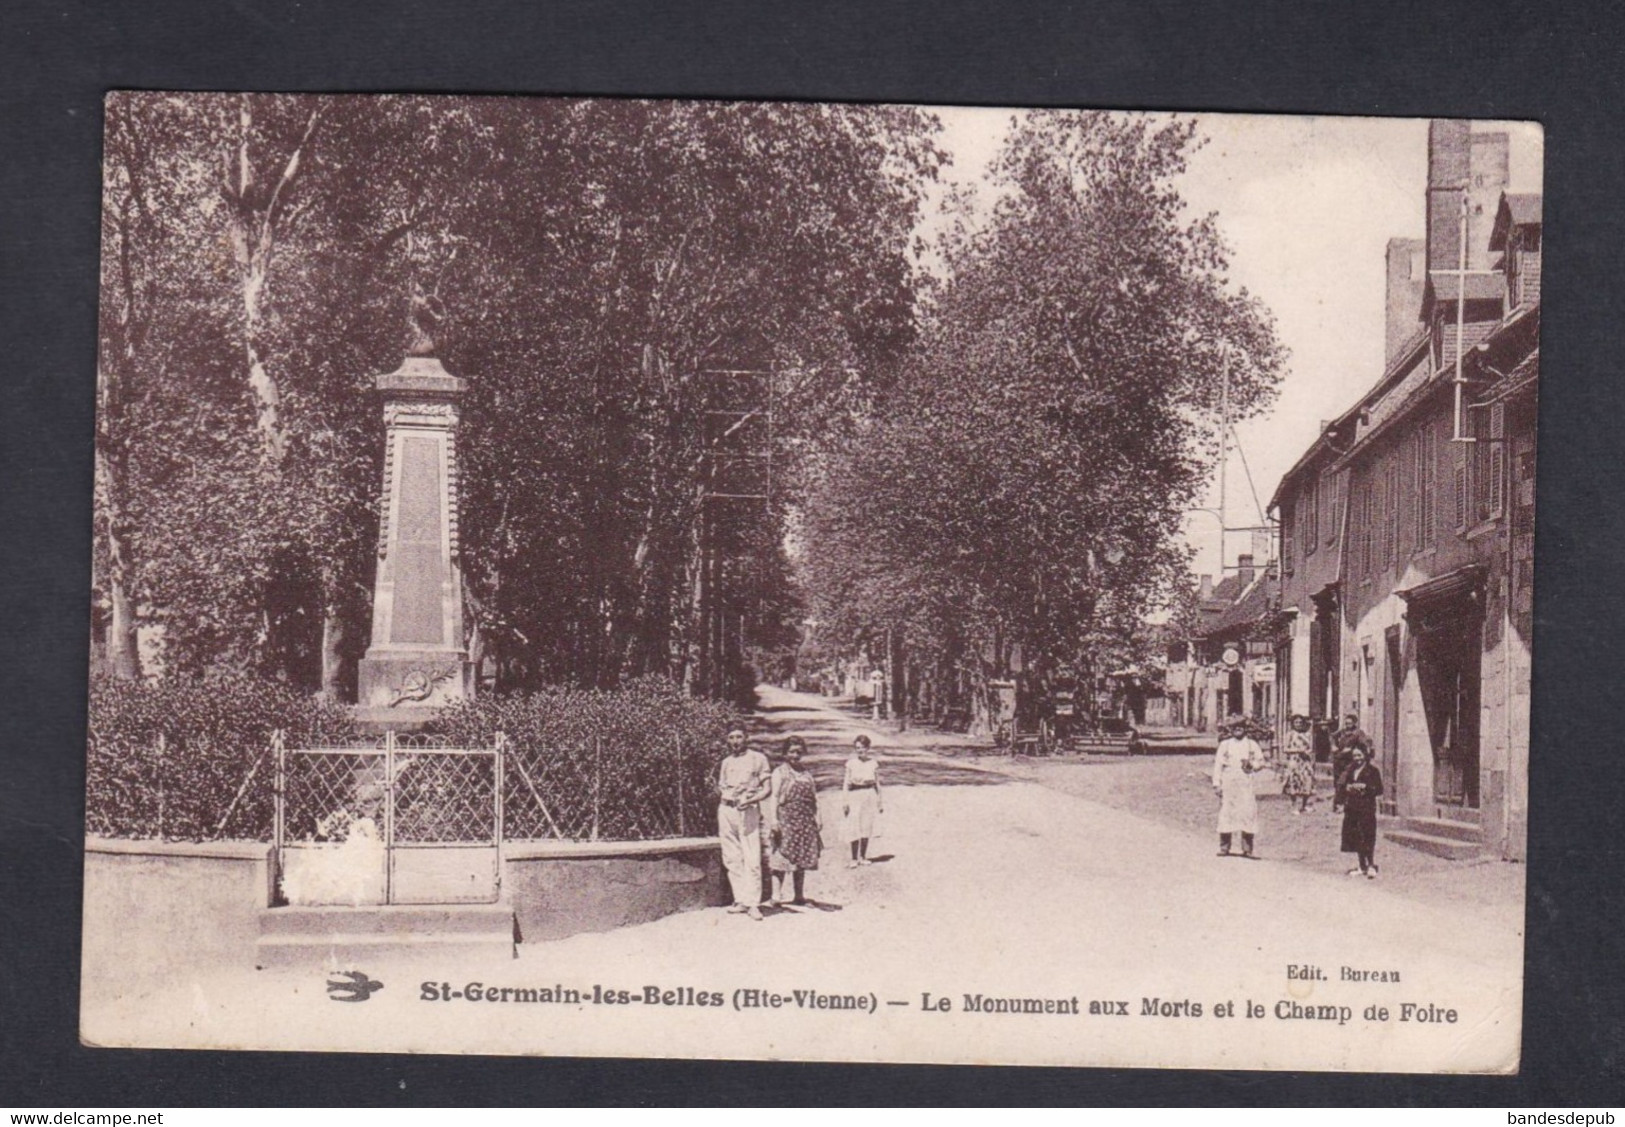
236 437
678 242
595 264
1023 483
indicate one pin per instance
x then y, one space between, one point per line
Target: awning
1445 600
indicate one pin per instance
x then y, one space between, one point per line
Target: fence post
682 813
279 784
389 816
597 780
499 752
162 746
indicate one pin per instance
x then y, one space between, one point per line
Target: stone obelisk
416 661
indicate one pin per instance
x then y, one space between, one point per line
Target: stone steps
1451 839
342 937
1446 827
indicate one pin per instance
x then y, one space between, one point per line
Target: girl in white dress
861 801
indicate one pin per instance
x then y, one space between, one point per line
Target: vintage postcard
594 577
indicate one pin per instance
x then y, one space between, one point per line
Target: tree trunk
333 637
123 643
694 649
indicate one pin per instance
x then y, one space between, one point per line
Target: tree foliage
594 264
1023 482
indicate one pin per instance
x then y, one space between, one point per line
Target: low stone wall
564 888
156 912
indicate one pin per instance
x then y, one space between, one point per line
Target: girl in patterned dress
1299 781
794 826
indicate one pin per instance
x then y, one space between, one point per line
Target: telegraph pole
1224 449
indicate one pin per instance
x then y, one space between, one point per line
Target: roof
1225 592
1525 375
1404 357
1482 285
1517 209
1424 390
1256 602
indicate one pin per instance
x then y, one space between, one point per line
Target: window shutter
1311 524
1459 473
1339 508
1379 535
1406 501
1419 500
1367 488
1427 452
1498 459
1390 516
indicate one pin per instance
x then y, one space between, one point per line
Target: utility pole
1461 306
736 505
1224 449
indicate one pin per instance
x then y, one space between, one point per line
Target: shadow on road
906 773
809 905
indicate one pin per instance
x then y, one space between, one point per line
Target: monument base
377 721
401 690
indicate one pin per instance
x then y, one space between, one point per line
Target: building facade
1228 664
1407 526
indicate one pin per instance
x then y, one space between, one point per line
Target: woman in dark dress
795 828
1361 787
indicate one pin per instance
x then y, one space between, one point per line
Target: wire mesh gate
393 819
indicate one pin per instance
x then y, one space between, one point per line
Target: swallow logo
352 986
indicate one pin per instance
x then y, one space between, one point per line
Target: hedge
189 760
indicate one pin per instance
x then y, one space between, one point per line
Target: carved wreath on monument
420 683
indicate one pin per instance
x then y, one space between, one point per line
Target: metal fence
399 819
177 791
608 790
606 787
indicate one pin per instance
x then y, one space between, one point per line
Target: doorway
1448 658
1388 754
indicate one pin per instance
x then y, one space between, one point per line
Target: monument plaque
416 661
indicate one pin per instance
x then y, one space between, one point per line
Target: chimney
1449 149
1244 568
1460 160
1205 588
1407 274
1488 168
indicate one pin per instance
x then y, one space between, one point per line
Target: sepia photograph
811 581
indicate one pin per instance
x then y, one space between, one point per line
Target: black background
1413 59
